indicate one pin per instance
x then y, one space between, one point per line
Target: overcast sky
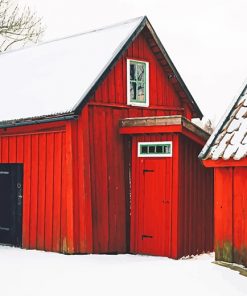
206 40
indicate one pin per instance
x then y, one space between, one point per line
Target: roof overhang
37 120
163 124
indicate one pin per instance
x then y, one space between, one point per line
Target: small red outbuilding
226 152
96 128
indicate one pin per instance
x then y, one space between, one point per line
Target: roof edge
174 69
143 22
222 121
122 47
37 120
70 36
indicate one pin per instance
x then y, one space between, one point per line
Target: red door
151 206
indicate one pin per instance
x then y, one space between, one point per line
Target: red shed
96 129
226 152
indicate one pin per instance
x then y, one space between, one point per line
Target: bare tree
18 24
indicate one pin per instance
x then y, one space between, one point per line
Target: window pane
151 149
144 149
132 71
141 72
167 149
140 92
159 149
133 91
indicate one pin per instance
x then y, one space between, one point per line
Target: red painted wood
75 196
223 212
41 192
63 232
239 222
57 191
151 195
195 208
160 129
230 214
26 191
150 129
19 150
162 93
209 163
12 149
100 188
175 196
70 188
88 237
34 191
42 181
49 192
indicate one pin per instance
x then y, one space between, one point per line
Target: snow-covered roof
229 140
56 77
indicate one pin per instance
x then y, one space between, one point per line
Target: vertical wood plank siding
42 152
196 200
230 214
162 93
105 165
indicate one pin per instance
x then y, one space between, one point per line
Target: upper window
137 83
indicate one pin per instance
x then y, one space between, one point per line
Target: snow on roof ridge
75 35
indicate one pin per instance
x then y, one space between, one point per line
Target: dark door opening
11 204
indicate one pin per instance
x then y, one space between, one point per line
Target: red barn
96 130
226 152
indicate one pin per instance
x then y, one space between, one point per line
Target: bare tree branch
18 25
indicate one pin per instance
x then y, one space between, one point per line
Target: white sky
206 40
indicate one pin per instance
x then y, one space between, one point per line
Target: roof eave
37 120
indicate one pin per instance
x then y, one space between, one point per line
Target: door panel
10 204
151 214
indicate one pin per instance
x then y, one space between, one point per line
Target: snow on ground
37 273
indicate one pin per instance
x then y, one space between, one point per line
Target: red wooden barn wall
196 201
230 214
106 159
42 150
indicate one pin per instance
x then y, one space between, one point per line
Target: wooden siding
106 152
230 214
108 172
196 201
42 150
113 89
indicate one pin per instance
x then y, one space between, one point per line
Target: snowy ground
36 273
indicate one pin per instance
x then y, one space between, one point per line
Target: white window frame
154 155
129 102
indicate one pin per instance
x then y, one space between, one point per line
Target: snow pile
39 273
